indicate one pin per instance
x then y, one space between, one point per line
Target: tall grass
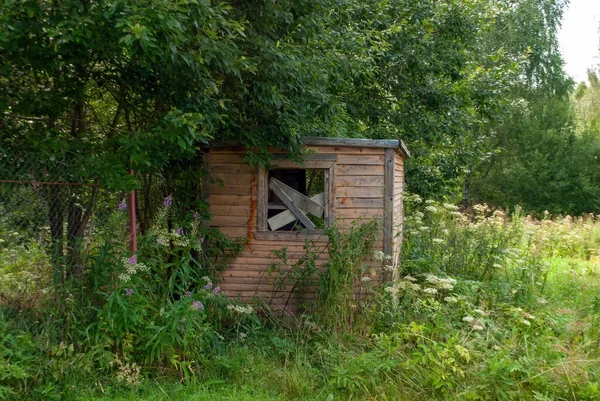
487 305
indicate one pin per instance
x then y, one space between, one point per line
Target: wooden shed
339 179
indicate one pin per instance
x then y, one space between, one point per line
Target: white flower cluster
379 256
476 325
242 310
431 209
441 283
130 269
449 206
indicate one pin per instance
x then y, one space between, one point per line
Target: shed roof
330 141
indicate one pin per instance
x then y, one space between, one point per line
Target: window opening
296 199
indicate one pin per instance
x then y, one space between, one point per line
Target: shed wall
358 193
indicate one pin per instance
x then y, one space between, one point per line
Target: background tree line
475 88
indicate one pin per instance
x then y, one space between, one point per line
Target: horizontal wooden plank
360 159
359 181
229 221
227 158
359 192
218 210
357 213
232 179
217 189
353 203
352 142
230 200
341 150
231 168
264 295
353 169
234 232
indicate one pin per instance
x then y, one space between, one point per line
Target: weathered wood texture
398 210
357 190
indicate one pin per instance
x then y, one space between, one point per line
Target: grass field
486 307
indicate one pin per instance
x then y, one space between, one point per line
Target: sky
579 39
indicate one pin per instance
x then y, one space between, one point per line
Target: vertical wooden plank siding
363 184
398 224
388 203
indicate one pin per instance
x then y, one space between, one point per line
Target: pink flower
217 290
197 305
208 286
133 260
128 292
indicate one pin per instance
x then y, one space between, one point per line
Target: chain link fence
49 212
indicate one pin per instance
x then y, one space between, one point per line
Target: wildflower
419 215
392 290
410 278
424 228
437 241
122 205
128 292
429 202
431 209
526 322
477 327
451 300
468 319
528 316
450 206
168 201
197 305
432 279
243 336
187 294
479 312
417 199
179 231
208 286
202 240
416 287
445 231
456 214
365 279
196 216
379 256
217 290
230 307
542 301
388 268
206 278
430 291
133 260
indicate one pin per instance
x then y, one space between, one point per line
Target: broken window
296 199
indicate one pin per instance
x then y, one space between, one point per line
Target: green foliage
350 259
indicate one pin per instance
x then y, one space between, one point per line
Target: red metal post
132 223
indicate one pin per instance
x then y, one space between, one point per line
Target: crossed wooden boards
299 205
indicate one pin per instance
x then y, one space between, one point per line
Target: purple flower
202 240
187 294
168 201
217 290
208 286
197 305
133 260
179 231
196 216
122 205
128 292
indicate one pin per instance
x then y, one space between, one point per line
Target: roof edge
334 141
